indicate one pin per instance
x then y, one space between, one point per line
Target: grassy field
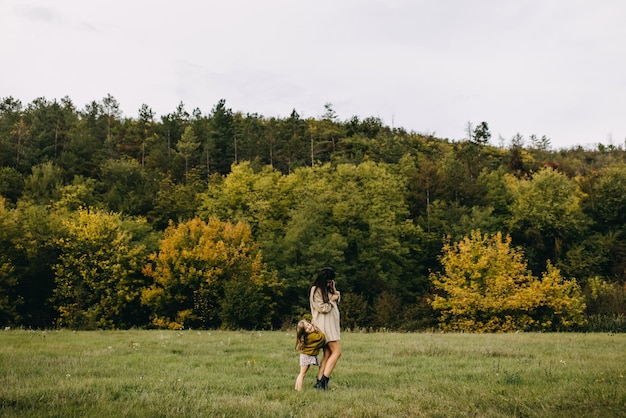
252 374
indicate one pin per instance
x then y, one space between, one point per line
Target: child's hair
301 334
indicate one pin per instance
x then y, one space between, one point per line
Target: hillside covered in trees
221 220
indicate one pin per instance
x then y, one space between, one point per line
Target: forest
221 219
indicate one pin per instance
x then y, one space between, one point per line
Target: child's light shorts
307 360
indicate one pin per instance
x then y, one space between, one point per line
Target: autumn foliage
97 275
209 274
485 286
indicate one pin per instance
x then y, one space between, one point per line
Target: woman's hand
335 294
332 287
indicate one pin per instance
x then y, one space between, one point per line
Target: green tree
496 191
11 184
171 130
485 286
10 300
126 187
454 179
44 185
202 129
98 276
83 152
112 116
292 152
11 117
251 301
605 299
247 196
330 132
187 146
481 134
34 251
81 193
540 144
50 124
606 201
546 215
178 202
222 137
249 136
145 124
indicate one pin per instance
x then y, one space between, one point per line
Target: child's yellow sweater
313 343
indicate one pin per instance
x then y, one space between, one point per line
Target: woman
323 298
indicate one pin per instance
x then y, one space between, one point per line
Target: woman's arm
317 301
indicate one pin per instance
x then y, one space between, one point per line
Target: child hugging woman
309 340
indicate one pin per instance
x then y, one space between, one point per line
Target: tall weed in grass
605 323
252 374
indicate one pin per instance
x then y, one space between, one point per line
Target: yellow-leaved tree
209 275
98 279
485 286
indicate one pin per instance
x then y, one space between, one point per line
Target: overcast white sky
543 67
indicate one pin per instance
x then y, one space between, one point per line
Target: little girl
309 341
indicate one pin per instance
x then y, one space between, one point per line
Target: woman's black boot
318 384
324 382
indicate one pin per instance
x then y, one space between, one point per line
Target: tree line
221 219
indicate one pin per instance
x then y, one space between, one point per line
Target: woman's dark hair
323 276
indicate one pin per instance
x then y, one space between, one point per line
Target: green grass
252 374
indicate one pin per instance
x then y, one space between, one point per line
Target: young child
309 341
